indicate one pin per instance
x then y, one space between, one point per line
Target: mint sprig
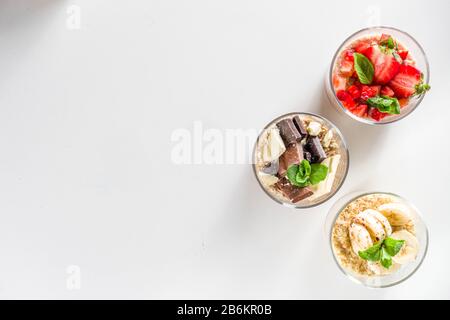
385 104
383 251
364 68
306 174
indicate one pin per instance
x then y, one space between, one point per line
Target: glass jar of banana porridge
377 239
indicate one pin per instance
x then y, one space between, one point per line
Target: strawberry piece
370 92
384 37
385 65
362 46
377 115
342 95
339 83
361 110
403 54
388 92
348 55
346 68
354 92
404 83
349 103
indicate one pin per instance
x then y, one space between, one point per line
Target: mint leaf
385 104
388 43
373 253
421 88
364 68
386 259
393 246
292 173
303 174
318 173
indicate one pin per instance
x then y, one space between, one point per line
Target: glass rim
363 194
395 118
332 194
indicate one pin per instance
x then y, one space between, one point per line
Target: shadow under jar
406 58
293 139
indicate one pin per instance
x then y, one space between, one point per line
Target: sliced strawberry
362 46
342 95
370 92
346 68
385 65
386 91
404 83
377 115
354 92
361 110
339 83
403 54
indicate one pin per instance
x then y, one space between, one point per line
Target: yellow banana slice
398 214
410 248
372 225
359 237
383 220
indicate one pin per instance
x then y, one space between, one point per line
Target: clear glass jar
417 54
341 173
406 270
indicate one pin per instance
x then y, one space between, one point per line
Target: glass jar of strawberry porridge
378 75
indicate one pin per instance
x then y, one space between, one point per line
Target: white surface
86 177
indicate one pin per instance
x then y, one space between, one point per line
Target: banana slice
398 214
372 224
383 220
359 237
410 248
379 270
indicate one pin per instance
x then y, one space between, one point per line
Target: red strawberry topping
369 92
388 92
377 115
354 92
404 83
385 65
403 54
361 110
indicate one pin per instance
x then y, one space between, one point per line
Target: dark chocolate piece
292 155
314 146
272 167
300 125
293 193
307 155
289 132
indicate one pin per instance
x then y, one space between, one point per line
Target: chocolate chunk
292 155
292 192
314 146
289 132
272 167
300 125
307 155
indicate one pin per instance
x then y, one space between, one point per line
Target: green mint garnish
421 88
385 104
364 68
388 43
386 258
373 253
393 246
306 174
383 251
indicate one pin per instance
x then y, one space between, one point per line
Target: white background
86 118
